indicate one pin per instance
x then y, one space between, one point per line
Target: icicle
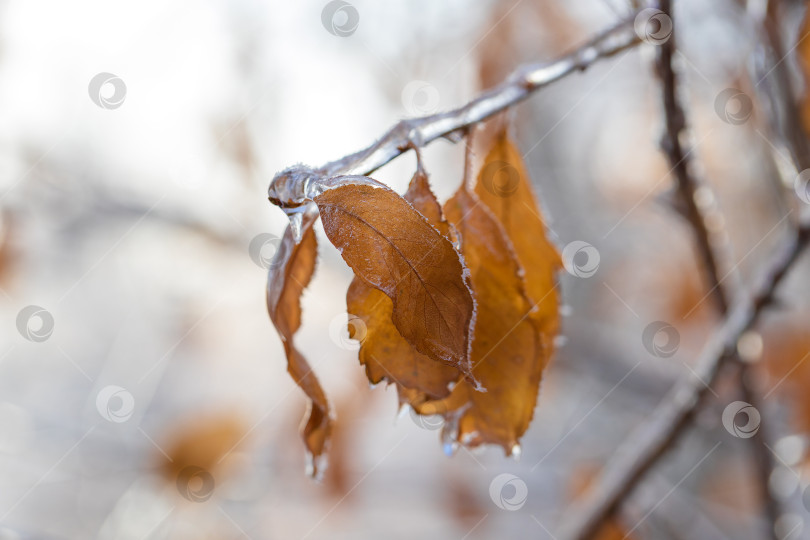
455 136
296 223
450 435
315 466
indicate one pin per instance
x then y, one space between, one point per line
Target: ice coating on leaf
507 351
514 205
287 278
412 263
386 355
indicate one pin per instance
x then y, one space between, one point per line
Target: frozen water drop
316 466
455 136
296 224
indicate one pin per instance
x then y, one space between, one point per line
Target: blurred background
143 390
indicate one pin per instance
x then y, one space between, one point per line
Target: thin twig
288 188
643 448
698 206
787 115
713 245
764 460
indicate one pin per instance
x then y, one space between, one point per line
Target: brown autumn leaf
204 442
507 351
394 249
386 355
287 278
786 358
504 185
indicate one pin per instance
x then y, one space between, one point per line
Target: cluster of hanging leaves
458 302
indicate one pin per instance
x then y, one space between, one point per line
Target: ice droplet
296 223
455 136
516 451
316 466
450 435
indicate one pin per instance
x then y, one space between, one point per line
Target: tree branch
288 188
643 448
713 245
696 196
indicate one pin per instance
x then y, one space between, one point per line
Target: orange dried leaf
386 355
204 442
287 278
394 249
786 357
507 352
505 187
